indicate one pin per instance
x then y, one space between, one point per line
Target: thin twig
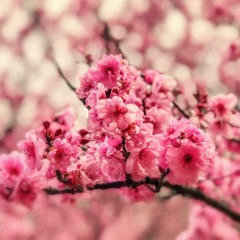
60 72
144 107
37 22
180 110
126 154
110 39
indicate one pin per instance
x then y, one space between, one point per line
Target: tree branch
37 22
182 190
60 72
110 39
126 154
180 110
36 19
198 195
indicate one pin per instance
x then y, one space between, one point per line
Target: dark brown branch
144 107
60 72
180 110
198 195
104 186
54 191
160 182
37 22
60 177
183 190
126 154
110 39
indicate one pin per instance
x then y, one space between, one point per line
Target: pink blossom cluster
117 112
193 149
18 182
121 140
42 152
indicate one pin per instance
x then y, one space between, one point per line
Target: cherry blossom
34 149
187 151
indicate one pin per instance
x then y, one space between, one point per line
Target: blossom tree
141 125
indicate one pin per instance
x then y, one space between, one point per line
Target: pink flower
109 70
111 110
61 153
33 148
144 154
110 145
159 118
183 129
139 91
143 163
116 116
222 105
75 176
162 85
159 93
66 118
91 167
112 72
113 169
185 163
149 75
87 83
26 192
16 181
140 139
12 167
187 151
